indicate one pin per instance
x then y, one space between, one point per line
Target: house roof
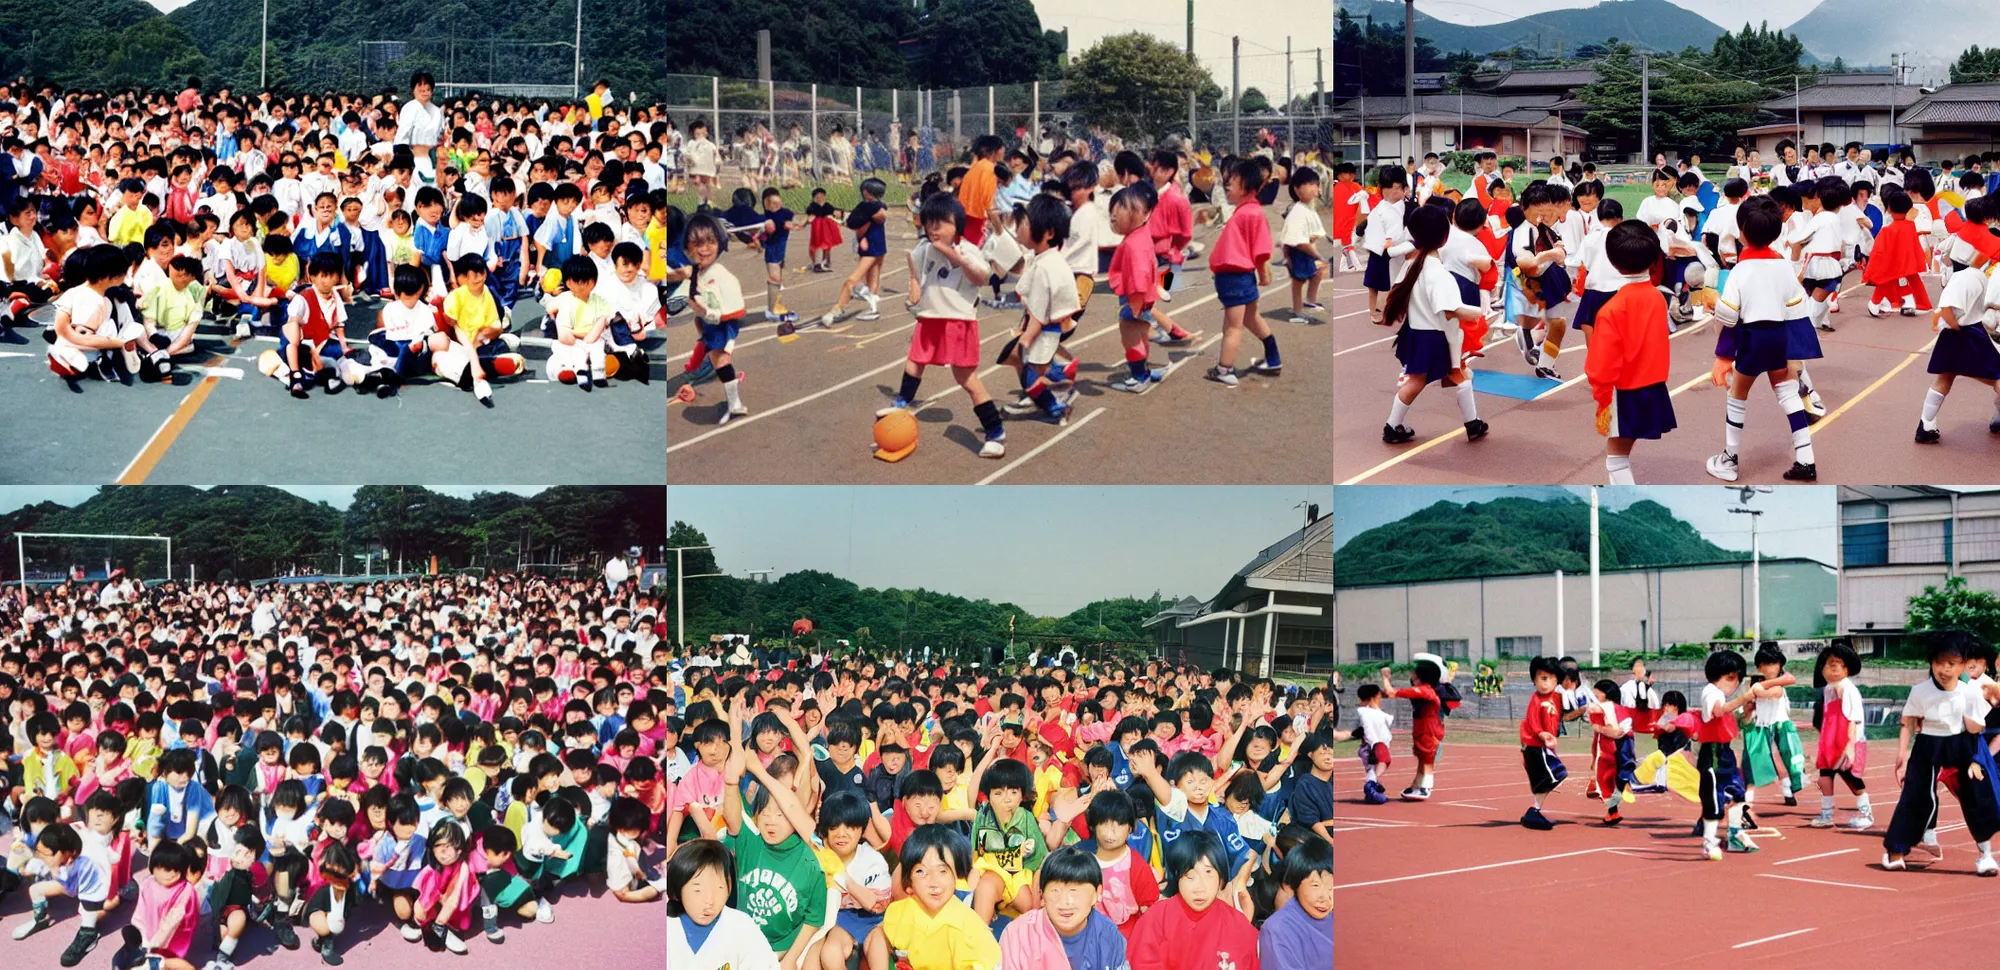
1849 93
1303 558
1776 128
1565 78
1672 567
1505 111
1957 104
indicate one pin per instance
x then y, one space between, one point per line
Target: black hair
1428 227
1948 643
945 840
1632 247
943 207
1468 215
920 783
1071 864
847 809
627 814
688 860
1759 221
1048 217
1547 665
1722 663
1110 806
1008 773
713 729
1609 687
1768 653
1308 857
1184 853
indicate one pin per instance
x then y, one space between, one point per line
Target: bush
1462 161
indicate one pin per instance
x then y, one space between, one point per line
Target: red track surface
1460 872
1872 380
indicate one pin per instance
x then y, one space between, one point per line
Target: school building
1895 540
1275 613
1533 125
1517 615
1869 108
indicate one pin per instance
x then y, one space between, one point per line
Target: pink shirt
701 786
1245 243
157 905
433 883
1173 224
1132 268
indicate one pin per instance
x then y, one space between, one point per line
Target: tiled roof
1932 112
1849 95
1556 78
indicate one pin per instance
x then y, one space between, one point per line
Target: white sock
1789 399
1861 804
1611 801
1708 829
1826 804
1930 836
1371 772
1749 796
1735 813
1619 468
89 918
1466 405
1734 413
1807 389
1784 787
1426 783
735 394
1817 309
228 947
1932 402
1538 801
1986 847
1397 412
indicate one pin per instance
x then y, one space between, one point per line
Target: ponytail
1429 227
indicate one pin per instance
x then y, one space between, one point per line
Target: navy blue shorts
1104 259
1545 770
1762 348
1643 412
774 252
1801 340
1376 276
1468 290
1236 288
1814 286
720 336
1588 305
1721 782
1425 353
1966 352
1303 264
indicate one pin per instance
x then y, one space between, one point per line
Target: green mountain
1517 535
1650 24
255 531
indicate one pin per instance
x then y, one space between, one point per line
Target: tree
1254 101
1955 607
1134 84
1699 98
978 42
1975 65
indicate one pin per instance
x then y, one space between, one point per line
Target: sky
1798 520
1728 13
971 542
14 496
1263 25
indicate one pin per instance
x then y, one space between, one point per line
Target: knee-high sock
1734 413
1795 415
733 390
1932 402
1467 405
1397 412
1619 469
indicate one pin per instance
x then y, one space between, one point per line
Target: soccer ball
895 436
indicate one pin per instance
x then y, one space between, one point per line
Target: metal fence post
715 107
1035 117
771 107
956 117
812 139
854 137
989 109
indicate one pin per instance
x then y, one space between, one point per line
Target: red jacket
1629 348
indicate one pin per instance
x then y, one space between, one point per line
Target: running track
1461 872
1872 380
813 400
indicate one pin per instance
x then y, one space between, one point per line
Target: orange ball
895 435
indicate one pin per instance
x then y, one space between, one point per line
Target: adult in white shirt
420 125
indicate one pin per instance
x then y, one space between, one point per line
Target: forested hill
1516 535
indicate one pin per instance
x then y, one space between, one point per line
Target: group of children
1763 261
854 815
1052 227
142 234
1948 737
453 751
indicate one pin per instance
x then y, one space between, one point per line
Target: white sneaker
1862 822
861 290
1893 865
1166 297
1986 866
827 319
1723 465
1877 309
728 413
482 390
1824 821
1297 318
1932 849
545 911
993 449
453 943
874 306
412 934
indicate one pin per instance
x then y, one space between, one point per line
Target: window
1920 542
1305 636
1448 649
1518 646
1978 539
1841 127
1375 653
1865 544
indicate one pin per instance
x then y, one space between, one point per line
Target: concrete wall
1663 607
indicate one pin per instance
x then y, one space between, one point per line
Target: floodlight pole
680 591
1596 602
1756 574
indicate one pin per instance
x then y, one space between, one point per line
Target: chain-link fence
788 133
517 69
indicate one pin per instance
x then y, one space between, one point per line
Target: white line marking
1365 346
1044 446
14 353
1768 939
127 470
1822 855
232 372
1483 808
1823 882
1490 865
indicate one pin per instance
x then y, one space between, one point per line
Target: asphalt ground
229 423
1872 380
812 400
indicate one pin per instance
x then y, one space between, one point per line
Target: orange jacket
1629 348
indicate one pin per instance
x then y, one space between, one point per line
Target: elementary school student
1385 240
1757 313
1429 309
947 330
1843 743
1349 202
1627 364
718 309
1546 772
1373 733
1942 721
1241 264
1715 759
1963 348
1067 932
930 926
1771 727
1612 761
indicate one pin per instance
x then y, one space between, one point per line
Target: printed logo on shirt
768 896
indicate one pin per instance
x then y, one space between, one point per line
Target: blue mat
1524 387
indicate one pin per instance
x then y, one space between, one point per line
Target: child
777 233
1897 262
1128 882
1771 724
627 824
1300 933
176 808
1241 264
326 911
930 928
1721 783
1611 757
88 336
1385 240
1191 932
580 317
1627 366
1466 254
866 221
1843 740
1349 202
824 235
1964 348
1051 293
855 872
1426 721
718 309
169 908
1429 304
1755 314
1132 279
947 330
1946 716
1546 772
1068 932
1535 280
789 900
480 345
229 897
65 864
1818 247
703 931
445 889
1373 733
1007 843
314 332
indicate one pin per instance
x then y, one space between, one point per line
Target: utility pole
1756 575
1410 69
264 47
1645 111
1291 124
1596 600
1193 95
576 84
1236 95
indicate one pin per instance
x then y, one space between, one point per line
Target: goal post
62 561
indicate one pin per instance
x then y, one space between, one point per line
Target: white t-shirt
1769 711
89 312
1079 249
1628 695
406 323
29 256
734 943
1047 288
1302 226
1462 252
1760 291
638 301
1657 209
1434 302
700 157
868 870
1374 725
1965 294
1945 711
419 123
